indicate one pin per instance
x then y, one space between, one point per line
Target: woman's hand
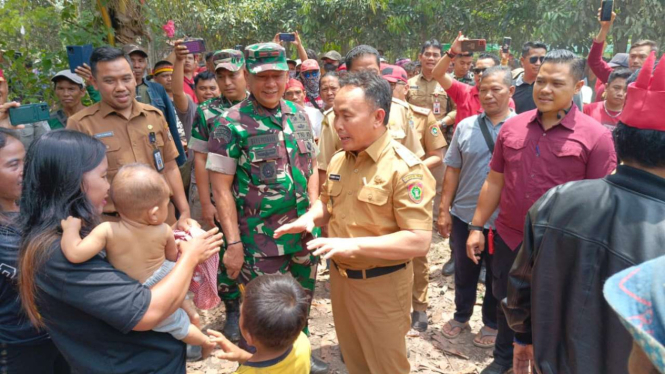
203 246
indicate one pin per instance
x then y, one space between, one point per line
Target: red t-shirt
467 100
189 89
533 160
596 110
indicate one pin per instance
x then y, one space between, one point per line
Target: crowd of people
231 176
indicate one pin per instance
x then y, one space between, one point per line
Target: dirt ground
430 352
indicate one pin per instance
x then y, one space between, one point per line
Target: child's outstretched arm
79 250
230 351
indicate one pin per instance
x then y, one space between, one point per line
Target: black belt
369 273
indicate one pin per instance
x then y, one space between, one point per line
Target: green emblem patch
415 191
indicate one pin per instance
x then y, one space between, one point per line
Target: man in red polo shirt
535 151
463 95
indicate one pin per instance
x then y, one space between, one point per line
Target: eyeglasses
310 74
395 84
478 71
533 59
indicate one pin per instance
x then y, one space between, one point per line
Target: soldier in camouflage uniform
229 66
263 171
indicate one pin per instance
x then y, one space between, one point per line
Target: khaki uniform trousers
372 317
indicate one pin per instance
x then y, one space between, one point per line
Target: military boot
232 326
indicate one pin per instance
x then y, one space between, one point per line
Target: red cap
341 67
645 98
294 83
394 73
309 65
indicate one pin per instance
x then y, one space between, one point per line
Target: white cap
69 76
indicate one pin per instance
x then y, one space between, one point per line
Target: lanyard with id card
436 105
156 153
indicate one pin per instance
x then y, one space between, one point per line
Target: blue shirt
469 152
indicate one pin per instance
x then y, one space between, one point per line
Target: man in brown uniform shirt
377 202
131 131
432 140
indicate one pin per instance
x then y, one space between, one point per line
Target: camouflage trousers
227 288
302 266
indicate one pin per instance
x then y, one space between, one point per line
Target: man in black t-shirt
533 54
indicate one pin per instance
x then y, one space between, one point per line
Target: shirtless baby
140 244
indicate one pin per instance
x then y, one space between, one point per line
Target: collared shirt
533 160
58 120
398 127
127 140
270 153
379 191
425 93
469 152
427 128
467 100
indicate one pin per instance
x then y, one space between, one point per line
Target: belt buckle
342 272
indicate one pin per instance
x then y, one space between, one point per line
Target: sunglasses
310 74
533 59
478 71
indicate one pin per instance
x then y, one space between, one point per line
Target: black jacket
575 237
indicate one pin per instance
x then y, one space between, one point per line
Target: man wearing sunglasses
310 75
533 54
463 95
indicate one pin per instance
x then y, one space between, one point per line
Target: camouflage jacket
271 156
205 114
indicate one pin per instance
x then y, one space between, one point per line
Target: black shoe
317 366
483 274
495 368
448 268
419 321
231 328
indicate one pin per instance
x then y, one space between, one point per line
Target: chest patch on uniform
411 177
263 139
335 177
222 132
268 171
300 122
101 135
415 191
434 131
413 87
266 153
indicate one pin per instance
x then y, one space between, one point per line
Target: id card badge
159 161
436 108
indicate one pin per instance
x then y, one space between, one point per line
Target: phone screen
287 37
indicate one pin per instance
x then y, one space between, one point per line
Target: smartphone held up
606 9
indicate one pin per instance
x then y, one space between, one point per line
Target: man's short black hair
204 76
360 51
562 56
623 73
377 90
105 54
410 67
528 46
503 71
431 44
274 310
490 56
464 54
333 74
644 147
161 64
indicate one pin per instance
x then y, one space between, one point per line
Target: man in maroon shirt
636 56
535 151
463 95
607 111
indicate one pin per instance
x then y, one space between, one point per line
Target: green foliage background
396 26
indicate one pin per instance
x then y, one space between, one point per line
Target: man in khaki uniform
434 144
364 57
132 131
377 202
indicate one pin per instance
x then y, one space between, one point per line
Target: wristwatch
475 228
450 53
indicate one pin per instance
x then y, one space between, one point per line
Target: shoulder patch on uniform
412 176
222 132
400 102
435 130
420 110
415 191
406 155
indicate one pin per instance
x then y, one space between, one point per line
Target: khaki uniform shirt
379 191
424 93
127 140
398 127
427 128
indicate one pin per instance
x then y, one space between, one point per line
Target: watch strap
475 228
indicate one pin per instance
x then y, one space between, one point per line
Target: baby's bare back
138 251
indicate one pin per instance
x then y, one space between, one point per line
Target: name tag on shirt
107 134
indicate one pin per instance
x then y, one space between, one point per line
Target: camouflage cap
229 59
265 56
